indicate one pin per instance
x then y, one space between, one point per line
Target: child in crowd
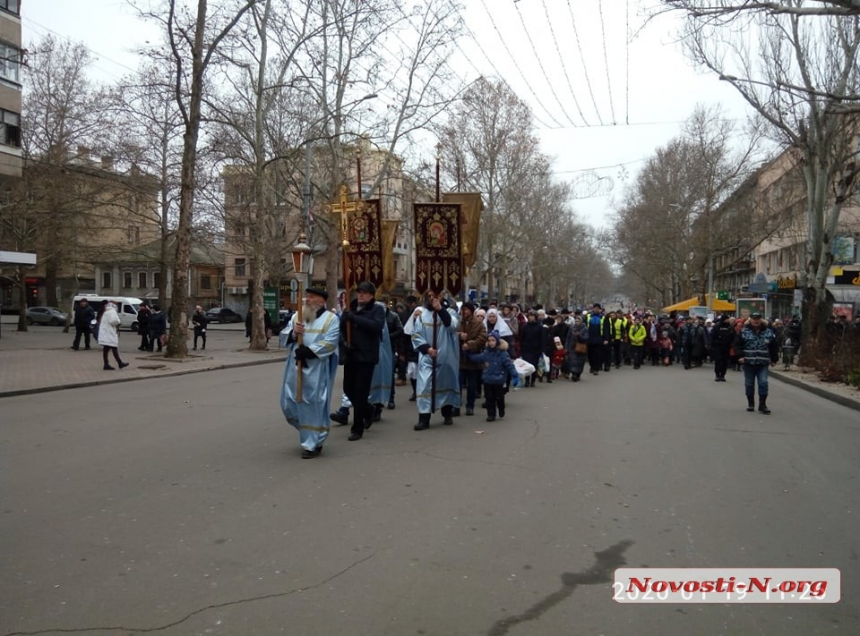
498 366
665 344
557 358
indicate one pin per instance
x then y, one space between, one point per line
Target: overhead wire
606 58
540 65
584 65
517 66
563 65
502 78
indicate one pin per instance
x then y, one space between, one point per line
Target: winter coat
722 336
84 316
758 348
157 324
476 339
638 334
143 320
576 361
199 321
533 339
108 335
599 329
496 362
368 322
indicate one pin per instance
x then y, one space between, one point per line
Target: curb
79 385
827 395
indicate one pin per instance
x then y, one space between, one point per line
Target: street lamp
302 264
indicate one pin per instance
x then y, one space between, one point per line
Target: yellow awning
716 305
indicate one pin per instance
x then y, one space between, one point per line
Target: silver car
45 316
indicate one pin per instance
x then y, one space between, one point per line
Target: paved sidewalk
41 360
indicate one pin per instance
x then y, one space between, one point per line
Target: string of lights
584 65
563 66
606 59
517 66
541 66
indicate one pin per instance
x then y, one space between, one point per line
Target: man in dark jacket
84 315
360 331
599 335
157 327
199 321
758 350
722 336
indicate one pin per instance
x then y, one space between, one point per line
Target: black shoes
123 365
339 417
470 411
456 412
108 367
501 413
762 405
354 437
310 454
412 398
491 418
391 405
448 421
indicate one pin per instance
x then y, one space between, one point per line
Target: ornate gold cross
344 208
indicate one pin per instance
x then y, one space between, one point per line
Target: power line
517 66
540 64
606 58
563 66
502 77
584 65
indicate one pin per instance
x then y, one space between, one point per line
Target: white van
126 307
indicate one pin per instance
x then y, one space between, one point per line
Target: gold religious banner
472 205
389 234
365 248
438 245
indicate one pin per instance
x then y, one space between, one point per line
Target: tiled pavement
41 360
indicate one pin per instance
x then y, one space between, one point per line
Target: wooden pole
300 340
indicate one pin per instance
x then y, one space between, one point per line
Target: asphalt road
181 506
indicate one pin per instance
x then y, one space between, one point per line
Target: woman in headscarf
577 334
109 336
494 321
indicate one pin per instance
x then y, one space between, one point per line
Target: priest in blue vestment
445 350
320 330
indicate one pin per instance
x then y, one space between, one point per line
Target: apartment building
287 221
10 92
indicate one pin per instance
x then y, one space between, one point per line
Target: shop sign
786 282
846 277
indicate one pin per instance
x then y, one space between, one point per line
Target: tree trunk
22 300
177 345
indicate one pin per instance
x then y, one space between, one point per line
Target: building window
126 280
156 279
10 128
133 234
141 280
10 63
205 281
12 6
240 268
107 281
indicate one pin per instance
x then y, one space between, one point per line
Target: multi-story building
10 91
10 120
771 262
240 211
138 273
84 212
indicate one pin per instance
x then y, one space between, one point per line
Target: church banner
438 245
365 244
471 205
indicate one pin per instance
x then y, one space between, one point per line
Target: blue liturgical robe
447 361
310 417
383 372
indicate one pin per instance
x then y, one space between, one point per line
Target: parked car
222 314
45 316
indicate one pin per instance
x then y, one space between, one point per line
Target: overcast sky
605 93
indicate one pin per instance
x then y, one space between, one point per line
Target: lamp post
302 256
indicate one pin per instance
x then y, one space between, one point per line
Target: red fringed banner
365 245
438 248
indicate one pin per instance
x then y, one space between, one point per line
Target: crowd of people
455 357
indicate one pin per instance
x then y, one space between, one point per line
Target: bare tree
193 40
718 10
798 78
